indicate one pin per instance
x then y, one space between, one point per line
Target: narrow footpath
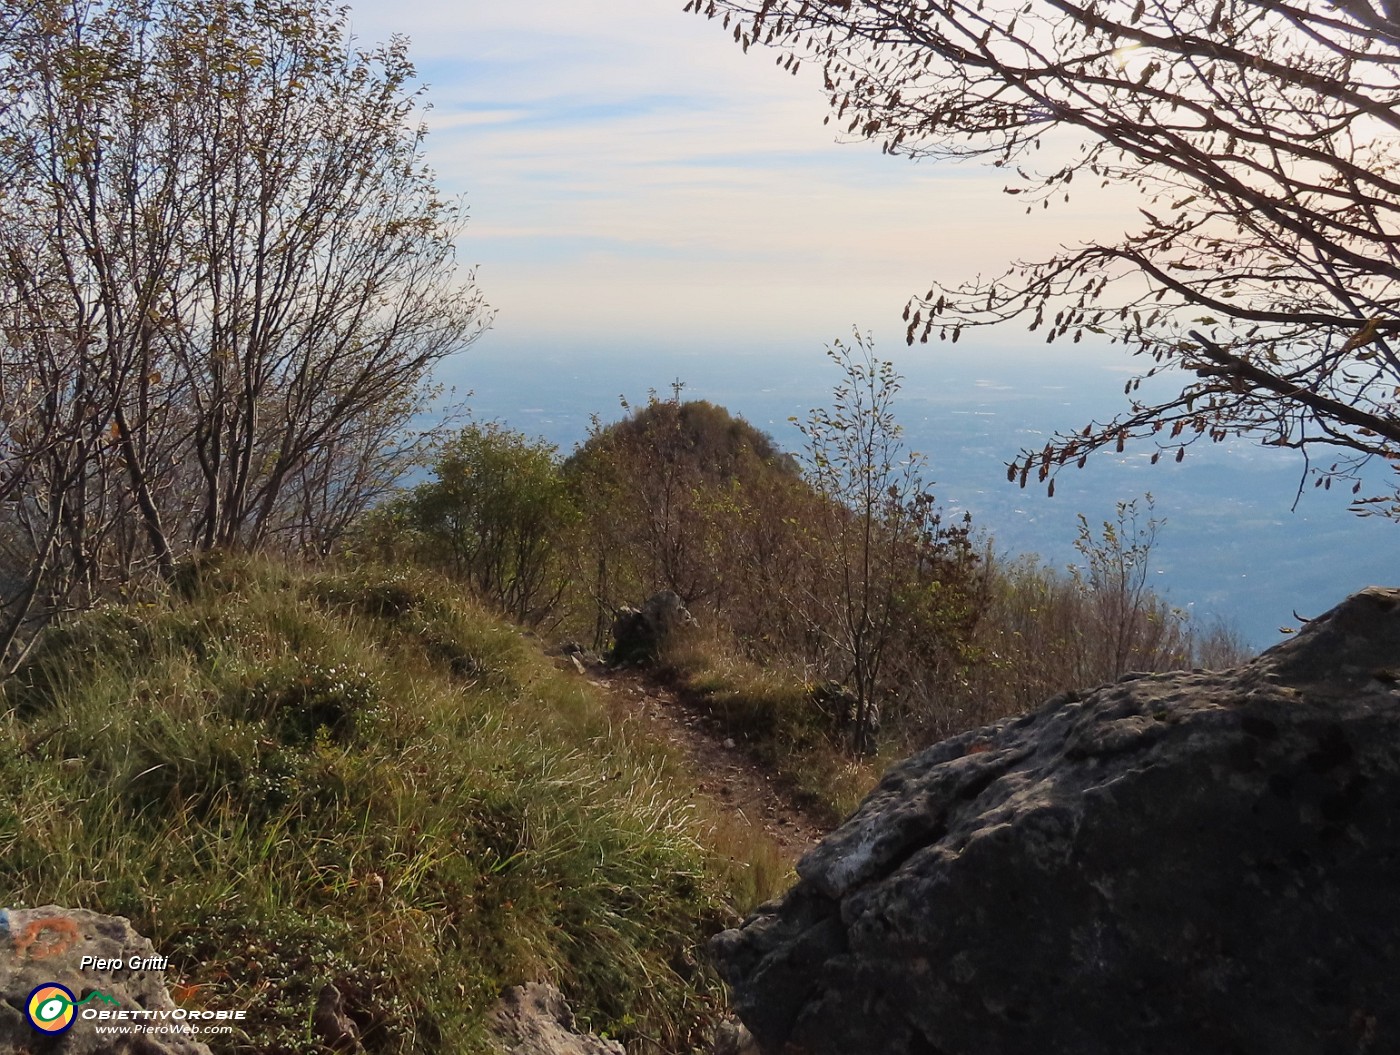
723 769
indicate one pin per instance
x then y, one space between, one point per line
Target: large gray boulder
101 965
639 634
1175 864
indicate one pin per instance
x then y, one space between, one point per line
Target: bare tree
876 534
1261 134
225 278
1128 626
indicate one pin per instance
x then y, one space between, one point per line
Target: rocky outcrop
1181 863
840 708
576 656
331 1022
57 963
731 1038
534 1019
640 633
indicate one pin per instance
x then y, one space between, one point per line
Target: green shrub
492 515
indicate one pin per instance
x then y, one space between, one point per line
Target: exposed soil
723 769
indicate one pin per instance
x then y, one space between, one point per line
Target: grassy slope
287 778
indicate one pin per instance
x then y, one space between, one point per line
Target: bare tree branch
1260 134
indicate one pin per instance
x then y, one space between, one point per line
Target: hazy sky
632 175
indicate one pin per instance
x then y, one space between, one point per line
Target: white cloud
627 167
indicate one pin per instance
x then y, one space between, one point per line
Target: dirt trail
724 770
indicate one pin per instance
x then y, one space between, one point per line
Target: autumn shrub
1044 630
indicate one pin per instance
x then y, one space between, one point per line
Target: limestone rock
332 1024
841 709
44 946
534 1019
1180 863
639 633
731 1038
